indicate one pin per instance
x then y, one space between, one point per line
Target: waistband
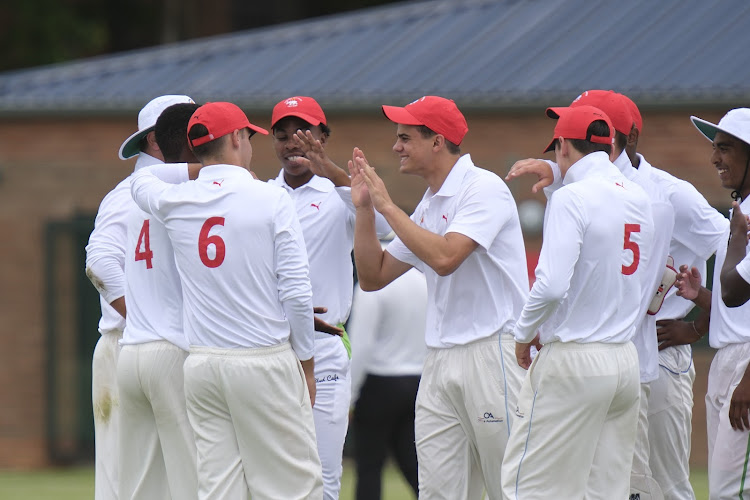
240 351
114 332
589 346
153 346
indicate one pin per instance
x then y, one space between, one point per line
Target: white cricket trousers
575 430
157 447
670 423
728 449
105 399
331 411
642 483
463 415
251 414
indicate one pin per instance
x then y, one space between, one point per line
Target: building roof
485 54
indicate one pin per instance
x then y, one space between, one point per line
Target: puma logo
316 206
219 183
619 184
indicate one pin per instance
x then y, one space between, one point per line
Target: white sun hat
147 121
735 123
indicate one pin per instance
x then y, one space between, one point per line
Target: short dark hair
597 128
427 132
171 130
621 140
209 148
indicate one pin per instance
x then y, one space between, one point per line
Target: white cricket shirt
241 256
387 329
729 325
598 240
485 294
664 220
153 293
326 215
105 252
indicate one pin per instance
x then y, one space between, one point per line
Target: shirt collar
592 165
644 166
452 183
145 160
316 182
215 172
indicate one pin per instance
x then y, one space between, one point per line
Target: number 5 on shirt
204 240
633 247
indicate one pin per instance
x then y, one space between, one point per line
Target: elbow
731 299
369 286
445 267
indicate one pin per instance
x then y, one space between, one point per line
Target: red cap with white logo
439 114
302 107
574 124
608 101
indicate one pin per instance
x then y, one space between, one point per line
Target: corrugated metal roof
493 54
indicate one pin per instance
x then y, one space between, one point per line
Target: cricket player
578 407
728 395
697 232
105 267
321 194
465 237
249 377
157 447
618 108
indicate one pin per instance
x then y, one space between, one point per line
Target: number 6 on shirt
204 240
633 247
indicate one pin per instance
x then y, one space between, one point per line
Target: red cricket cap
608 101
634 112
303 107
574 123
439 114
220 118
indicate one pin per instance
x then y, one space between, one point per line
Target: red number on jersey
633 247
204 240
147 254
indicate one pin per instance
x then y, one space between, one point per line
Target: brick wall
56 168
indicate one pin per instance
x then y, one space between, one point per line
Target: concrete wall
57 168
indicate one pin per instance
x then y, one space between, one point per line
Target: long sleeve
292 270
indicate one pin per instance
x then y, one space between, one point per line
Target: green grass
77 483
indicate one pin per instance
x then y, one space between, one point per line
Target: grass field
77 483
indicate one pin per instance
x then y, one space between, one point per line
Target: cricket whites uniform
157 447
698 231
642 482
578 406
728 449
105 267
326 214
248 318
471 377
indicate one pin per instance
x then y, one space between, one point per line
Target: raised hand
375 186
532 166
688 282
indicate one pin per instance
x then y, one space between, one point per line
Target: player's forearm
432 249
703 300
119 306
336 174
368 254
107 275
298 312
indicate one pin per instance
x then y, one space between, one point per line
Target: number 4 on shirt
143 240
633 247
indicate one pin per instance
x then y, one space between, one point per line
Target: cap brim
258 129
708 129
309 119
132 145
551 146
555 112
400 115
